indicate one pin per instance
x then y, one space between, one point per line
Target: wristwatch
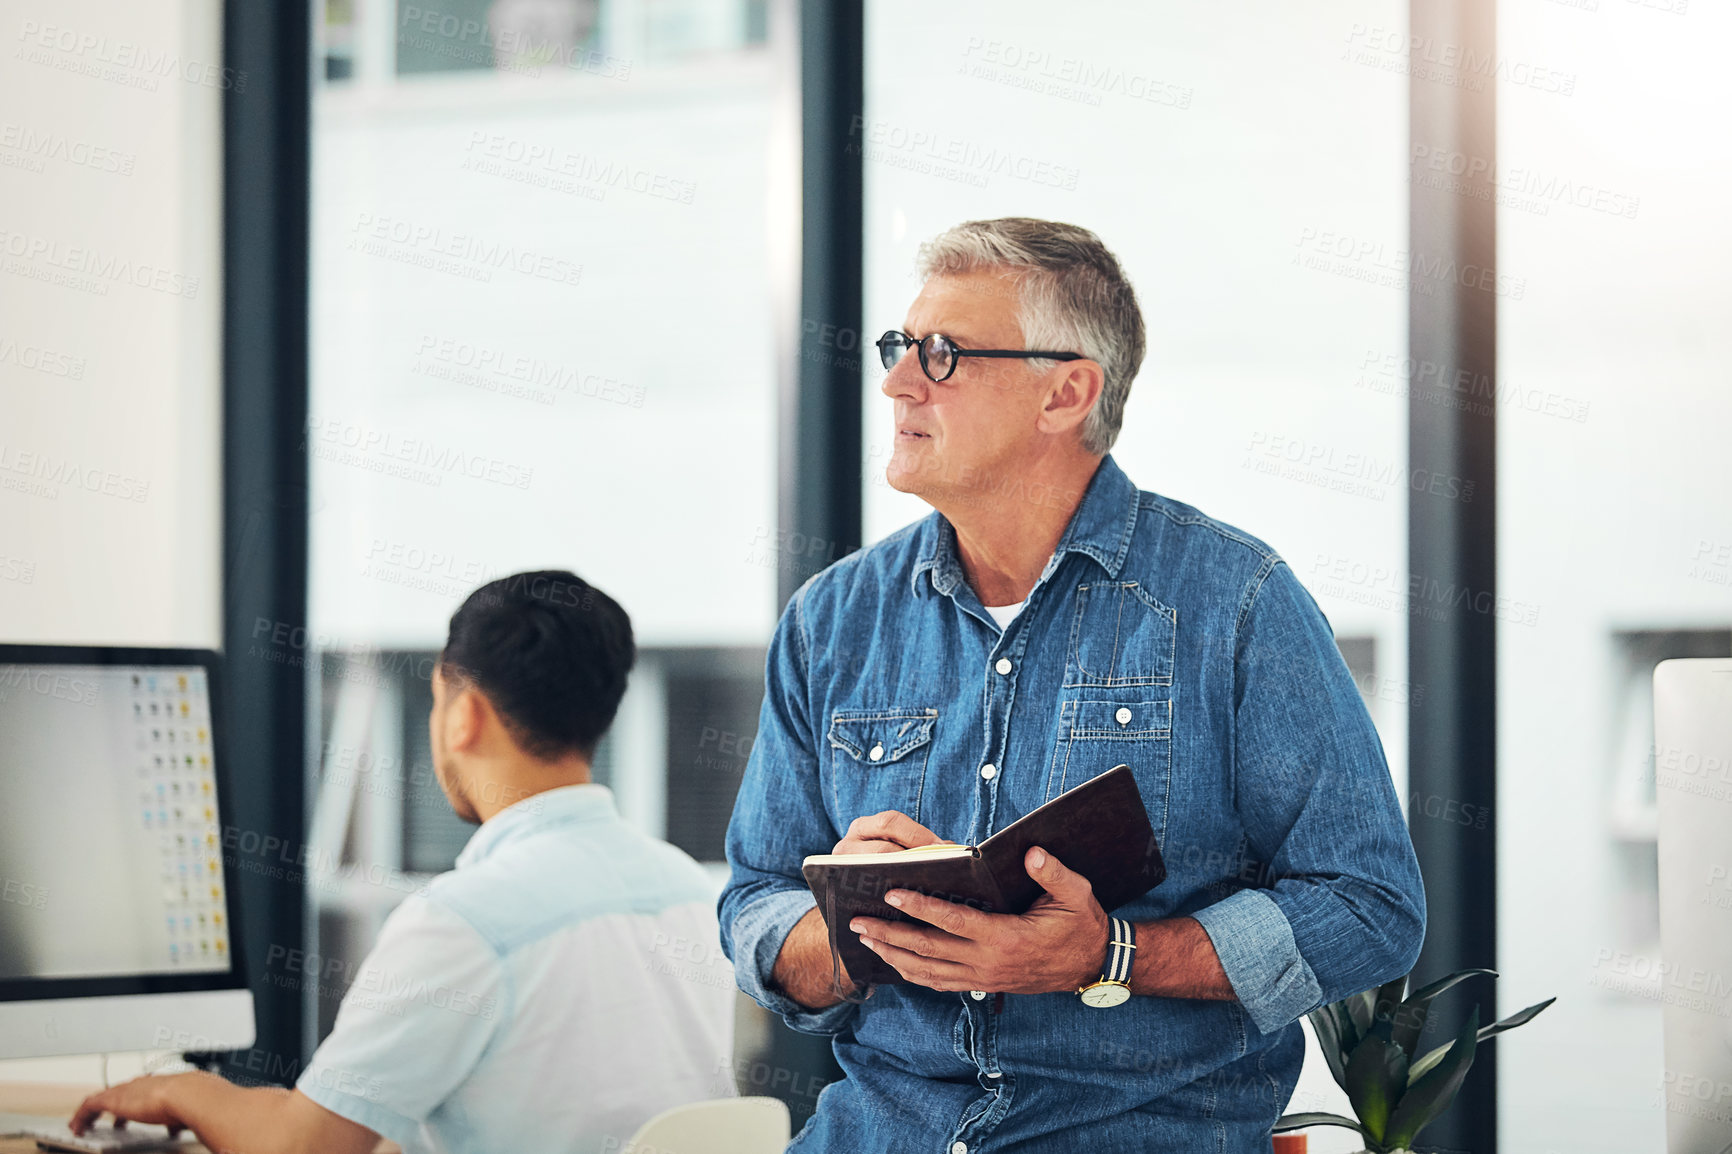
1114 986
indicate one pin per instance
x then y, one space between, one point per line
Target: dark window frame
1452 730
266 124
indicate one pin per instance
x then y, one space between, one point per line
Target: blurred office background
555 319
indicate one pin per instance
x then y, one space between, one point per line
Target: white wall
110 298
110 302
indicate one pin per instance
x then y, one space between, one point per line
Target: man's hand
803 968
257 1119
1058 945
886 832
144 1099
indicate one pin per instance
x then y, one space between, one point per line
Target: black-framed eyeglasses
939 354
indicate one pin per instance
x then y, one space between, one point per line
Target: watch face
1104 994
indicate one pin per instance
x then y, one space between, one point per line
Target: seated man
519 1003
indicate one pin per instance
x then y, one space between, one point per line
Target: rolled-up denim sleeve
1343 908
779 818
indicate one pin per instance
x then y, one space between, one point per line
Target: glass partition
543 303
1615 519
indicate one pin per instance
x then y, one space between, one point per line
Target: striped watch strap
1120 950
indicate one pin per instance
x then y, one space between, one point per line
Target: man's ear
1072 396
465 717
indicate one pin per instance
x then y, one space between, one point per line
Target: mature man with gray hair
1046 623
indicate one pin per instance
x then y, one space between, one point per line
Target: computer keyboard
107 1139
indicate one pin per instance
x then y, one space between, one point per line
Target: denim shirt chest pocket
1116 705
878 760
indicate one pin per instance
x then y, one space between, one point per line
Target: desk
59 1101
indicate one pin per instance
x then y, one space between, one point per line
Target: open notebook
1100 829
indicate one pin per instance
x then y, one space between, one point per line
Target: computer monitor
1693 784
118 927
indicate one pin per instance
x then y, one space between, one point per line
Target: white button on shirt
1123 715
1003 665
989 772
561 986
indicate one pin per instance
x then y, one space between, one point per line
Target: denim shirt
1157 637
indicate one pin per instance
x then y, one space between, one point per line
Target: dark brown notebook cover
1100 829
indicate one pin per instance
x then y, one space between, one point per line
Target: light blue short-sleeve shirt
557 989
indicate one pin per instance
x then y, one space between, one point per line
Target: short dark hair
551 652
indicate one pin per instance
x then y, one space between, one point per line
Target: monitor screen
110 835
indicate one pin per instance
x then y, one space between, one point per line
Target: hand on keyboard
109 1139
144 1099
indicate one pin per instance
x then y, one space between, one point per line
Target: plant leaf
1519 1018
1408 1024
1300 1121
1389 998
1345 1029
1376 1078
1324 1025
1360 1009
1432 1094
1409 1020
1425 1065
1431 991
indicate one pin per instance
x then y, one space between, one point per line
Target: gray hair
1071 295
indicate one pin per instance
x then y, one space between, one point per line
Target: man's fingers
1064 884
869 845
890 826
951 917
933 973
88 1111
927 943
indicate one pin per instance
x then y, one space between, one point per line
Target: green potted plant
1369 1041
